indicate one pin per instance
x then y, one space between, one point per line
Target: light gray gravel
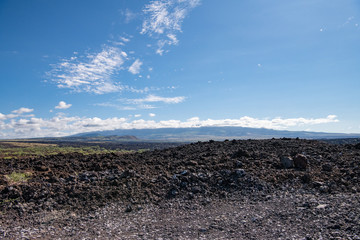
283 215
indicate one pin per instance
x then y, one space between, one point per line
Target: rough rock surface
287 162
301 162
206 190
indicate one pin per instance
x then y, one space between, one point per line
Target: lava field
232 169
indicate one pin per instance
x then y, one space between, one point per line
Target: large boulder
287 162
301 162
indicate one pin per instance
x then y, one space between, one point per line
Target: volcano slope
239 189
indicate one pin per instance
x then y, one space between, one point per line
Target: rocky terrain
238 189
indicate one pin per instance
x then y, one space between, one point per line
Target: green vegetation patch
17 152
16 177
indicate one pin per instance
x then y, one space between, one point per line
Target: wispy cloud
126 106
164 18
349 20
63 105
135 67
116 106
129 15
124 39
166 15
152 114
143 103
119 41
91 73
154 98
23 110
17 113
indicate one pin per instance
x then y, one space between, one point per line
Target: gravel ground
282 215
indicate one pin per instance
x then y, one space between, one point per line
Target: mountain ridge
215 133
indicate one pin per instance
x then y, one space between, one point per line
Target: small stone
300 161
324 189
238 164
173 192
207 201
317 184
326 167
196 189
306 205
240 153
192 163
190 195
287 162
128 208
3 180
321 206
335 226
306 178
239 172
71 178
42 168
225 172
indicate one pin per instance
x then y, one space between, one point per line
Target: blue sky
79 66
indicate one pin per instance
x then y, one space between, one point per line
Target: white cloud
129 15
137 115
135 67
159 51
126 107
349 20
166 17
116 106
23 110
154 98
173 39
62 125
91 73
2 116
8 116
117 43
124 39
17 113
63 105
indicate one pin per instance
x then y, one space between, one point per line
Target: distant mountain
95 136
215 133
89 137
